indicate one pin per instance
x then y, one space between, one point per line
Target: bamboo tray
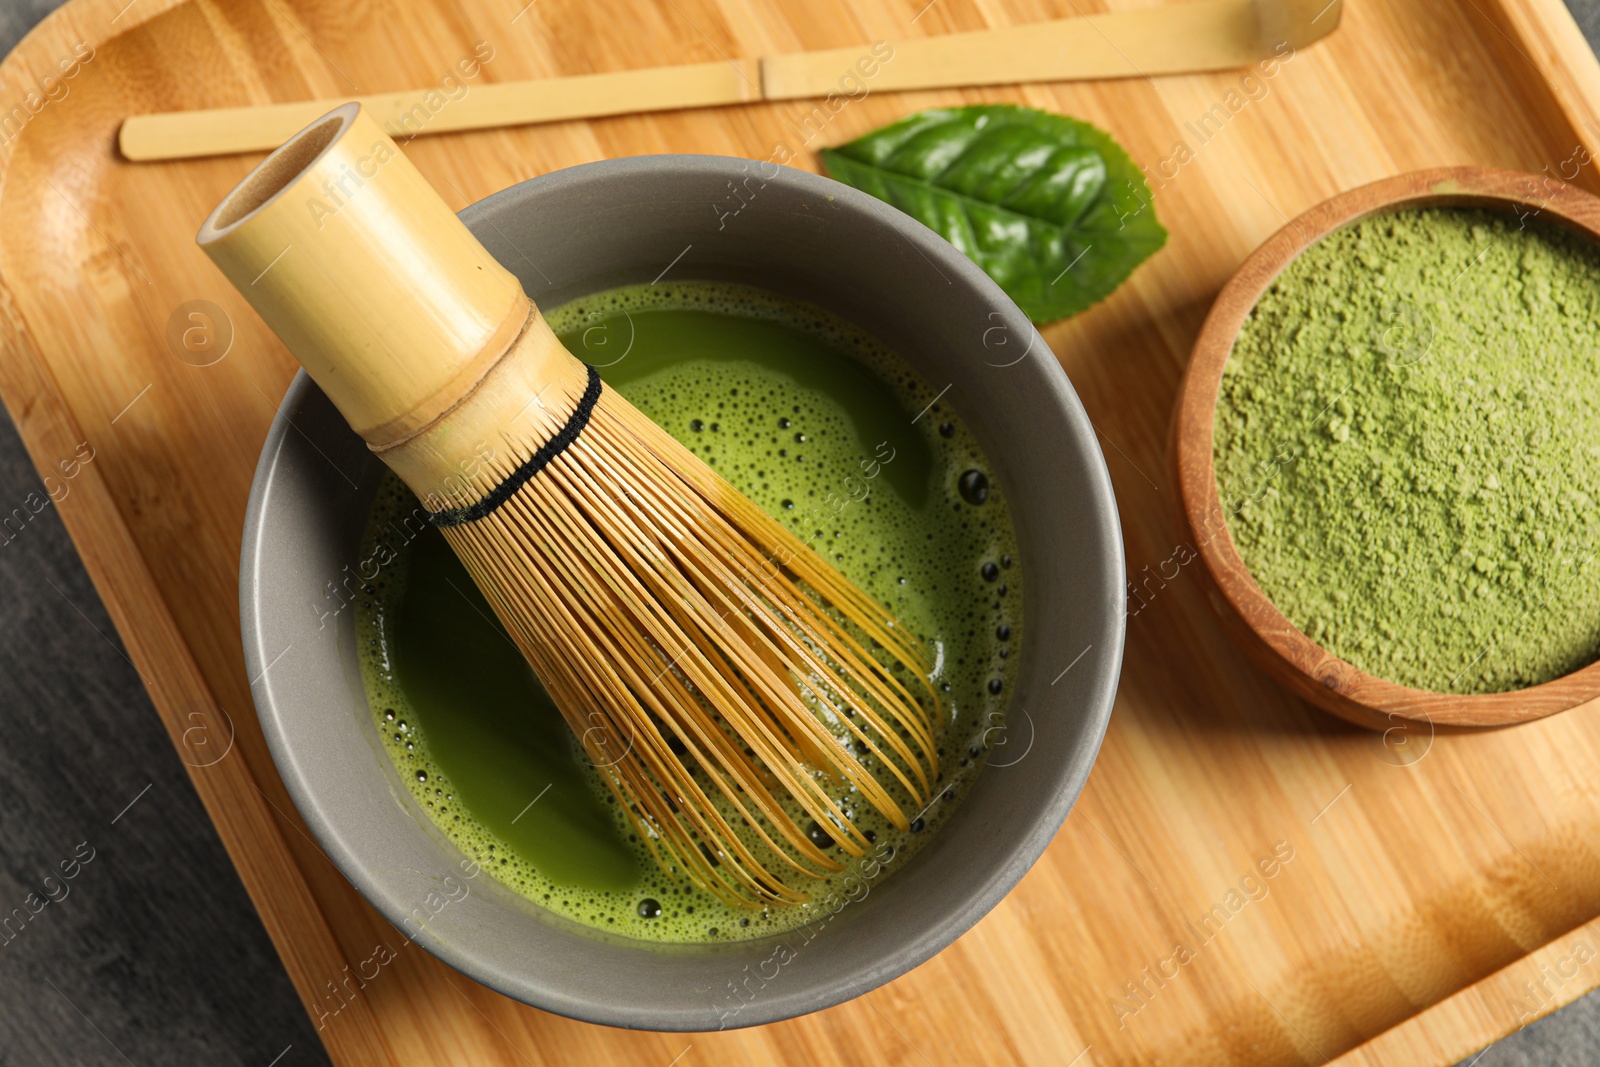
1442 889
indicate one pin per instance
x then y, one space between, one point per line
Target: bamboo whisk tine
726 680
681 652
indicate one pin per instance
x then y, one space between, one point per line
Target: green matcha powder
1408 448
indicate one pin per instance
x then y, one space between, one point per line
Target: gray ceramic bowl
624 221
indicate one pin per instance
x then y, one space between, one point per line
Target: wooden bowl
1253 620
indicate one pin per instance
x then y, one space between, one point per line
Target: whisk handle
378 289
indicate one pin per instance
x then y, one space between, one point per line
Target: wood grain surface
1200 35
1245 609
1429 891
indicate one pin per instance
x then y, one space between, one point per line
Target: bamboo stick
1179 38
224 131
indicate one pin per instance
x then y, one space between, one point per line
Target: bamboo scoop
709 661
1179 38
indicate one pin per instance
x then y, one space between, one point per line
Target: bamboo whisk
725 679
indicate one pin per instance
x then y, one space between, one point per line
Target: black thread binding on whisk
536 462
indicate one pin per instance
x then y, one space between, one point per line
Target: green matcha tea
1408 443
822 427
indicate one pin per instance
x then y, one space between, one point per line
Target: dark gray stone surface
153 954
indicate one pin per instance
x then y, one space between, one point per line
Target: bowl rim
1065 779
1251 618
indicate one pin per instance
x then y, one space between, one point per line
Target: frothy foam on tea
822 427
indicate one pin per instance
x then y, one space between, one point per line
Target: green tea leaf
1051 208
